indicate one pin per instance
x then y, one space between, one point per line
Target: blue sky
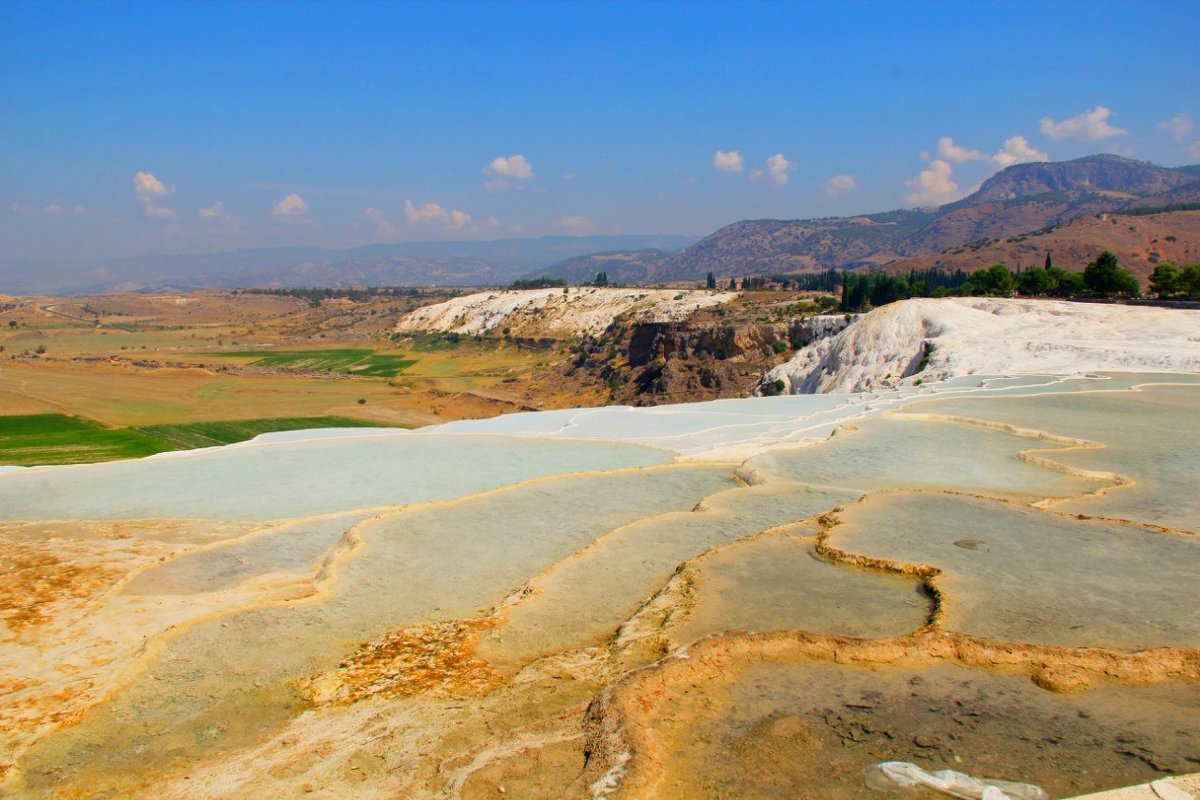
183 127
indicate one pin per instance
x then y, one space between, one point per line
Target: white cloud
570 176
433 214
80 210
148 186
776 172
1193 149
158 212
17 208
1017 150
840 184
1179 126
290 207
214 211
934 186
728 162
510 167
148 190
492 222
1088 126
575 223
430 212
53 208
949 151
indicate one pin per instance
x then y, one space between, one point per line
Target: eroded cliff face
651 363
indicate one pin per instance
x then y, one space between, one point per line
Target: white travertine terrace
581 311
451 611
931 340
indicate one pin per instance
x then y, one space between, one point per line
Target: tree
996 280
733 284
1189 280
1105 276
1049 264
602 278
1164 281
1066 284
711 281
1036 281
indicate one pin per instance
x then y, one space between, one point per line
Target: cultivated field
129 375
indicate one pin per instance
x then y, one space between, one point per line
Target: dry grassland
135 360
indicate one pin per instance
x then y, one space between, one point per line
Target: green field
58 439
39 439
350 361
191 435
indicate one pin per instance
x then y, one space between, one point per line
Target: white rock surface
993 336
584 310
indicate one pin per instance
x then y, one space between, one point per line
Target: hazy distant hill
1019 199
621 266
408 264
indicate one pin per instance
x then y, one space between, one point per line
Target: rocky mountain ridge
1015 201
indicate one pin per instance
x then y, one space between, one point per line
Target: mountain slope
1139 241
1019 199
621 266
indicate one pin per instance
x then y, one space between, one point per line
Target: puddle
1023 575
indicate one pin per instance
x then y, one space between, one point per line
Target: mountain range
1049 202
463 263
1021 199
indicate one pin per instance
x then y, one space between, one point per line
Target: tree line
1104 277
314 294
1170 281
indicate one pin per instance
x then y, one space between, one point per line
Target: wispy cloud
1179 126
292 206
149 191
728 161
574 223
1088 126
18 208
947 150
53 208
383 226
215 211
776 172
934 185
840 184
